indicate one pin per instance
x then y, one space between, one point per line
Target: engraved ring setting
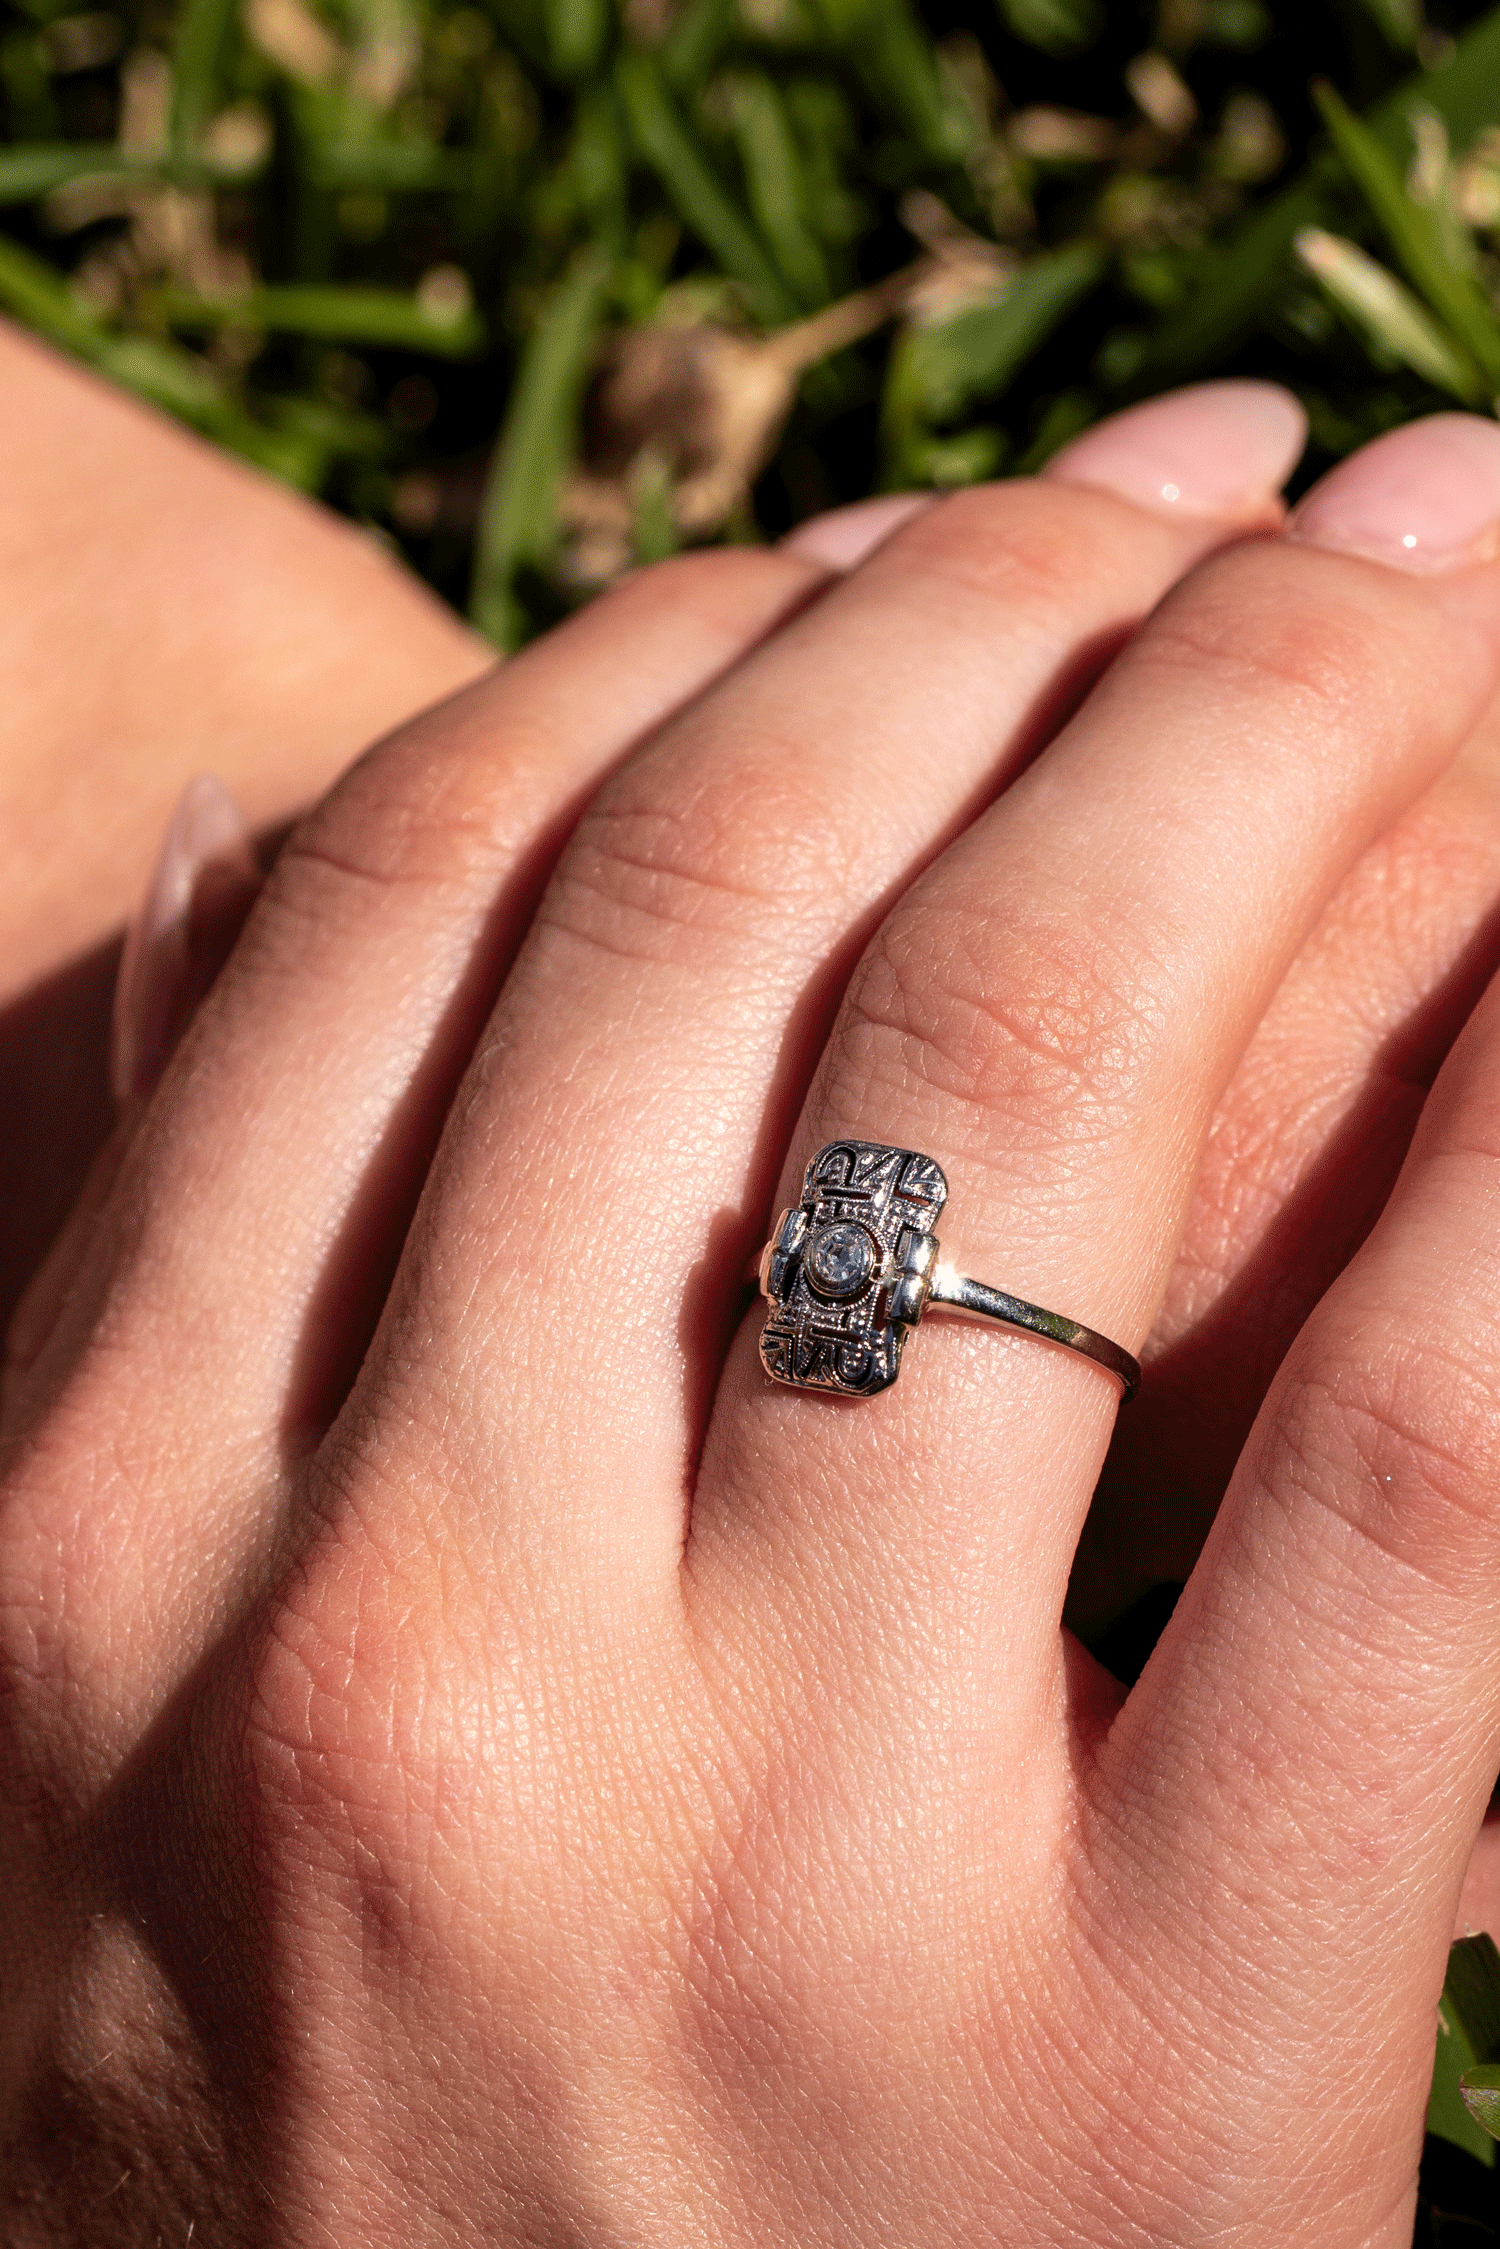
853 1267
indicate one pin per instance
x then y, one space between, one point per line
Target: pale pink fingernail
1218 449
201 888
844 536
1423 497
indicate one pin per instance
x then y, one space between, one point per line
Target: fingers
658 1028
243 1254
1326 1693
247 1245
1310 1137
1053 1012
841 538
1218 449
1302 1154
1176 453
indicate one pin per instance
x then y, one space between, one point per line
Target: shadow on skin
179 2110
56 1106
1175 1450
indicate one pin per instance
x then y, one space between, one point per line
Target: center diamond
839 1260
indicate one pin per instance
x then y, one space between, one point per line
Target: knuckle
326 1753
418 818
713 588
416 812
1051 1029
1398 1447
1315 650
1036 552
662 861
371 1673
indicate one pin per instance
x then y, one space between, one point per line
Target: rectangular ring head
829 1325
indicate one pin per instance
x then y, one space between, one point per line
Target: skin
486 1766
165 610
1292 1183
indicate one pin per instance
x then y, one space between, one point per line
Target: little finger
1291 1793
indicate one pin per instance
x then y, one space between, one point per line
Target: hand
166 610
549 1782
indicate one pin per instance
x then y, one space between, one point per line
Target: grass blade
33 292
653 530
1468 2033
203 31
518 523
1056 27
690 47
30 172
936 371
900 65
576 32
1385 313
975 354
160 372
671 150
1399 22
1241 279
892 50
778 192
395 167
331 314
1415 234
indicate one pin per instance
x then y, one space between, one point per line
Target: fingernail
1423 497
1218 449
844 536
200 891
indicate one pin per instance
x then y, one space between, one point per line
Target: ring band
852 1268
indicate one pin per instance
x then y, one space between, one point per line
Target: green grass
384 248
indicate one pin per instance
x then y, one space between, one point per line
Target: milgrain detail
834 1271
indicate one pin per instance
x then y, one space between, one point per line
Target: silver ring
851 1269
